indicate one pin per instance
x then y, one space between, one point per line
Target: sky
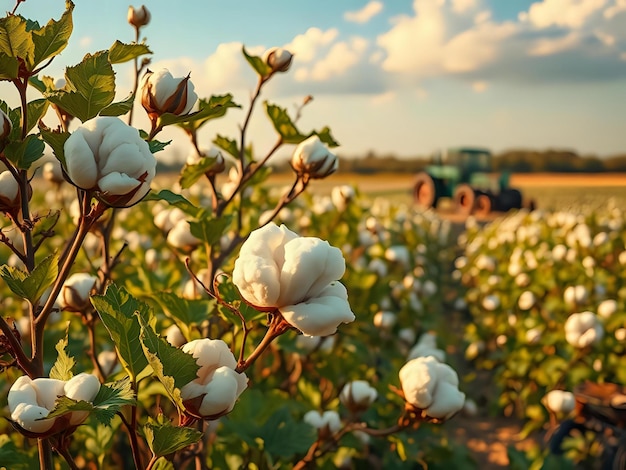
393 77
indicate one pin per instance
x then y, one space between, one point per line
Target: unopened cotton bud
138 17
278 59
312 159
358 395
162 93
9 190
76 291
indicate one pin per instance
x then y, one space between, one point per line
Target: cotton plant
106 268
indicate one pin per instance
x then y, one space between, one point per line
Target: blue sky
403 77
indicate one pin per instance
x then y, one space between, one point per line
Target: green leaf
64 365
155 145
284 437
227 145
210 230
214 108
326 137
56 141
120 52
283 124
187 311
65 405
15 40
176 200
192 173
9 67
173 367
117 311
36 110
14 458
23 154
163 464
164 439
92 85
31 286
52 38
111 398
260 67
119 108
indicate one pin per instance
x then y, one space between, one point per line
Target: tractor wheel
425 190
464 198
483 204
510 199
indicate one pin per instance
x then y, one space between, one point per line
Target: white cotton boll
620 334
622 258
415 303
597 365
398 254
533 336
460 304
329 420
522 280
460 262
174 336
583 329
385 320
429 288
180 237
493 280
600 239
527 300
485 263
470 408
514 268
378 266
607 308
491 302
358 395
588 262
406 335
108 362
575 295
560 401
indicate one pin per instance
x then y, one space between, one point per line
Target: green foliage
257 63
31 286
91 84
120 313
186 312
23 154
190 174
63 368
56 141
173 367
119 108
163 438
210 230
228 145
120 52
213 108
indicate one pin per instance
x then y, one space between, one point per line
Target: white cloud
384 98
564 13
415 43
476 47
341 57
550 46
482 17
306 46
364 14
462 6
85 41
614 10
480 86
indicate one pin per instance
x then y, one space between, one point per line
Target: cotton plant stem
16 348
45 454
276 328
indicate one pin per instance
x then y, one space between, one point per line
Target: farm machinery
465 175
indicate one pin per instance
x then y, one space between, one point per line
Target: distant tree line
515 161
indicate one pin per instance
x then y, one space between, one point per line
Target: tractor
465 175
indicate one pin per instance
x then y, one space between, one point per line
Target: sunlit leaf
23 154
15 40
117 310
64 365
192 173
120 52
283 124
92 85
260 67
119 108
214 108
31 286
173 367
52 38
163 438
228 145
56 141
